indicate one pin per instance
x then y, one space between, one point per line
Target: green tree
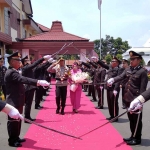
111 46
108 58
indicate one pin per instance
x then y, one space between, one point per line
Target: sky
128 19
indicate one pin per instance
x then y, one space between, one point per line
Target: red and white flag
99 4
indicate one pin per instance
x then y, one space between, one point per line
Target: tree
108 58
111 46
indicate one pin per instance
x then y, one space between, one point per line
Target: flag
99 4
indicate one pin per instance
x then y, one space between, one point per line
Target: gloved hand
14 113
47 57
115 92
87 59
53 61
50 60
101 87
138 107
134 104
43 83
110 81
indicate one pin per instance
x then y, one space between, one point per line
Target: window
6 20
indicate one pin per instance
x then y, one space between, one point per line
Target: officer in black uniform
2 74
27 71
113 91
15 96
99 77
125 64
137 83
39 73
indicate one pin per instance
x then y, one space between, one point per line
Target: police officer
137 83
15 96
27 71
39 74
113 91
99 77
2 74
62 72
125 64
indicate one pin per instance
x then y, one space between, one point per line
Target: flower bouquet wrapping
79 78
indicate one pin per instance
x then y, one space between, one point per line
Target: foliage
108 58
111 46
9 51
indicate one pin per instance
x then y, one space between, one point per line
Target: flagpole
100 44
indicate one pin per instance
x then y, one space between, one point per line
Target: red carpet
88 118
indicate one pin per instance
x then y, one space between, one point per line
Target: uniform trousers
100 95
112 103
133 121
14 127
61 94
123 100
4 90
38 96
28 102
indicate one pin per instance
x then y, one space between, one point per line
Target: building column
25 52
83 55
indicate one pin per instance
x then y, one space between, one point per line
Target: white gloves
138 107
87 59
50 60
110 81
53 61
43 83
14 113
101 87
134 104
115 92
47 57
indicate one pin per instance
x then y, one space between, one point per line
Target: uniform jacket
136 84
27 71
15 91
2 105
111 73
3 70
99 75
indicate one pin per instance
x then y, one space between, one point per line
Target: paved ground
122 126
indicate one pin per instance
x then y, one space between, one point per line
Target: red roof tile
56 33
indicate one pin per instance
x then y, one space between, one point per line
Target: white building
144 51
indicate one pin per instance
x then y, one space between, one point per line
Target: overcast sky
128 19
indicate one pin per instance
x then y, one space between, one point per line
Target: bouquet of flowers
79 78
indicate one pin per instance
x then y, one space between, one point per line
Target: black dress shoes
62 111
98 107
127 139
15 144
29 119
21 140
88 95
109 118
93 100
133 142
57 111
38 107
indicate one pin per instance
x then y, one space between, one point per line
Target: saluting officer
137 83
2 74
62 72
15 96
113 91
27 71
